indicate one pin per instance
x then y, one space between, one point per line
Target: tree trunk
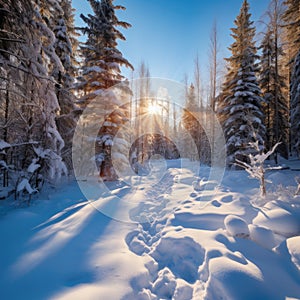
263 191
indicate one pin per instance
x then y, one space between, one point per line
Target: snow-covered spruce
295 105
240 105
101 71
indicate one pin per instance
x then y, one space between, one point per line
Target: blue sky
168 34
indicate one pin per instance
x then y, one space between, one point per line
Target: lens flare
154 109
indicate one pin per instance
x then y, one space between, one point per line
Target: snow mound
165 284
232 280
137 245
278 220
236 226
183 291
293 245
278 178
182 256
262 236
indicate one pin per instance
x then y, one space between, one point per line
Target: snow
109 124
293 246
33 166
96 69
262 236
3 164
4 145
25 185
236 226
279 221
157 236
5 192
56 137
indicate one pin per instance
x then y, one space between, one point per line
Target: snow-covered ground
174 238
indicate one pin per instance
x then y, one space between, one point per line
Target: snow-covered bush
298 187
28 182
27 178
255 167
52 162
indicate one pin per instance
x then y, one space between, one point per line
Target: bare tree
142 106
214 79
197 82
255 168
213 67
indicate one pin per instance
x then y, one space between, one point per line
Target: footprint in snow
186 202
216 203
227 199
182 256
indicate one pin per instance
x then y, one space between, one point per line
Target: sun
154 109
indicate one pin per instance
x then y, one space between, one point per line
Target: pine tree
191 124
273 84
295 105
30 101
66 48
240 106
292 23
43 39
102 59
10 41
101 71
72 36
266 81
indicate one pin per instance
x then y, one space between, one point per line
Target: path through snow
180 241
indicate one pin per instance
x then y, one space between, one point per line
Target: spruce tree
27 55
291 19
292 23
50 63
10 41
65 46
191 125
101 71
240 106
295 105
272 86
102 59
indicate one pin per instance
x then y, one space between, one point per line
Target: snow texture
180 241
25 185
236 226
33 166
4 145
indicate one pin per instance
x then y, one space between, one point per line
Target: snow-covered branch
255 167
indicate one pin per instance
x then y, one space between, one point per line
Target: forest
49 78
118 185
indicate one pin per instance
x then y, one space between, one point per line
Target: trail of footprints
164 264
151 216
